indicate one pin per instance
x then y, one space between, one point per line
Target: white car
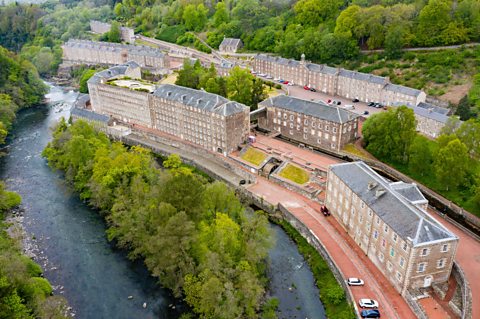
262 74
355 282
290 83
269 77
368 303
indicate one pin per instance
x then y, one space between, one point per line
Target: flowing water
98 280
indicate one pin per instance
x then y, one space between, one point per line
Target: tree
188 76
420 158
195 17
239 85
432 20
394 41
389 135
87 74
44 60
221 14
469 134
115 34
258 93
451 165
313 12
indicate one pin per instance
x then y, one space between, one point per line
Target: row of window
440 263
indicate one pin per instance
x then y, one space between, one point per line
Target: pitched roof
392 206
114 47
316 109
371 78
113 72
79 109
435 108
429 114
402 89
231 42
200 99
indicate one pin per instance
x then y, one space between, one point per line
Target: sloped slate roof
115 47
79 109
231 42
363 77
406 219
200 99
316 109
409 191
402 89
113 72
430 114
436 109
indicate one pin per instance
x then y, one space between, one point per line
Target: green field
295 174
254 156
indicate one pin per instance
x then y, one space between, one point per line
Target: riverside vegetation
448 165
194 236
24 293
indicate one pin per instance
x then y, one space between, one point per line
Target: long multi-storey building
205 119
389 222
313 123
127 34
336 81
94 52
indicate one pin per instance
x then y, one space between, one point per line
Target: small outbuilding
230 45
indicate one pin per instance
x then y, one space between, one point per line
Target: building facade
126 34
388 221
341 82
230 45
94 52
430 119
205 119
312 123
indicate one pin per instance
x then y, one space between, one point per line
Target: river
82 265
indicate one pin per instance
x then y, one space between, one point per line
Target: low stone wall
415 306
165 151
313 240
466 311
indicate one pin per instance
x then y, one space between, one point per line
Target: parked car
313 90
355 282
339 102
281 81
378 105
269 77
262 74
366 112
324 210
371 313
306 88
349 107
285 82
368 303
355 100
242 182
371 104
329 101
289 83
253 72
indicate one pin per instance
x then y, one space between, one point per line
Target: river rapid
68 238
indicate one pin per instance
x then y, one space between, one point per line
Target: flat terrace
137 85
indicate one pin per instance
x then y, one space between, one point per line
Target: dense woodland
240 85
23 292
20 86
448 165
194 236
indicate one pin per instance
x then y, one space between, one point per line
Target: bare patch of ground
456 92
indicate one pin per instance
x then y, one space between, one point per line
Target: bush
170 33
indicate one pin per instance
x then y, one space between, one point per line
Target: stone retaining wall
466 311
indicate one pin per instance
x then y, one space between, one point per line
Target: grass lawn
352 149
170 79
295 174
254 156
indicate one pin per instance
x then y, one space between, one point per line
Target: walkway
445 47
468 258
347 256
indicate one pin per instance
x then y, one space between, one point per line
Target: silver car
355 282
368 303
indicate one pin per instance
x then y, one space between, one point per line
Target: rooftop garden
254 156
295 174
